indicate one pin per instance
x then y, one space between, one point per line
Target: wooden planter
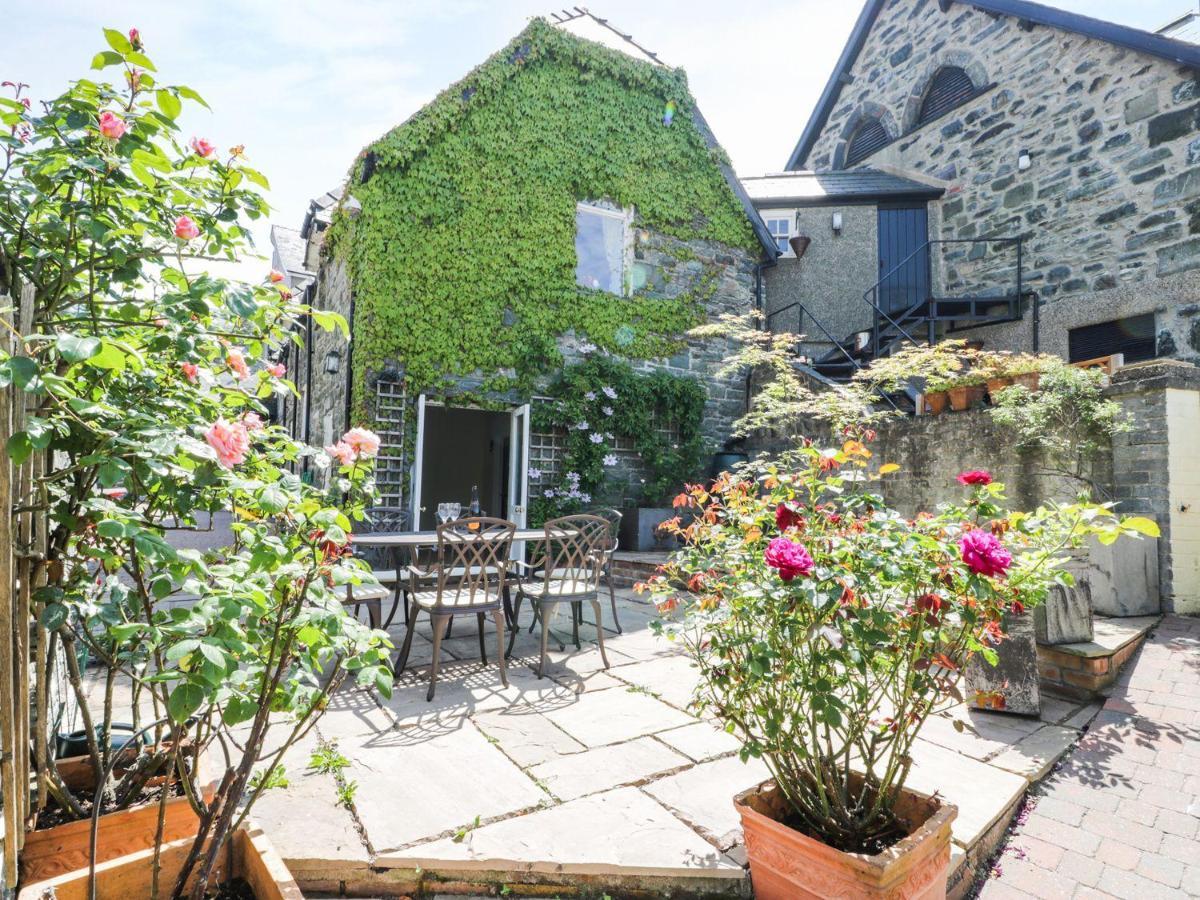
788 865
66 847
935 402
251 858
964 397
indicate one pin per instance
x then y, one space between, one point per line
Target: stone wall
831 277
1112 198
327 410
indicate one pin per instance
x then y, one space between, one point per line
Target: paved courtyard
585 777
1121 815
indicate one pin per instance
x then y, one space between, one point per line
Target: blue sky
304 85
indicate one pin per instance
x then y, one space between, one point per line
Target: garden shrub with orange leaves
827 627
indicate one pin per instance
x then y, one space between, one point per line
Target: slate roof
1184 28
581 22
1151 44
289 246
805 188
320 209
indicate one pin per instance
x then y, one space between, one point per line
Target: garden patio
586 778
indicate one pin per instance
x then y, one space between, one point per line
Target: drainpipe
758 308
349 364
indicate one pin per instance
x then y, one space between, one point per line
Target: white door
518 472
414 480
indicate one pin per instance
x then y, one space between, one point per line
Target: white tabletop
428 538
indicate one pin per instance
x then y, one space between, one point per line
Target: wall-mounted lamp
837 223
1024 160
333 362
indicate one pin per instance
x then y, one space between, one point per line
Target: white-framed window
779 224
602 245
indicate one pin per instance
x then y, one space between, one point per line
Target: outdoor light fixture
1024 161
837 223
333 362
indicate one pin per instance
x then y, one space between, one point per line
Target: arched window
949 87
867 138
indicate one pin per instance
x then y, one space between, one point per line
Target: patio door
418 466
518 472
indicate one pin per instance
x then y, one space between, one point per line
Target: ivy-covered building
519 263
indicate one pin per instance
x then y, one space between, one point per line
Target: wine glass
443 513
454 509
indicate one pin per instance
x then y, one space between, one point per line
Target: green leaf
1143 525
20 447
117 41
184 700
112 528
170 105
256 177
237 710
182 649
110 357
140 59
106 58
24 372
75 348
54 615
213 654
187 92
330 320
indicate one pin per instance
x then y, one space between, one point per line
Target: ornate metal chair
385 562
468 576
566 568
613 517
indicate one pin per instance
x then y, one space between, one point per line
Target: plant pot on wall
965 396
997 384
786 864
1029 380
799 244
252 859
936 402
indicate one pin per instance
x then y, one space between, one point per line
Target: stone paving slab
620 832
700 741
616 715
616 765
703 796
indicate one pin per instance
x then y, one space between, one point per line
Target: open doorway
462 448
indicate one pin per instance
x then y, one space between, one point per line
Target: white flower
596 437
535 474
610 459
582 426
586 498
573 477
609 392
607 410
589 396
548 493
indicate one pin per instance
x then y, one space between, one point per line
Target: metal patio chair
468 576
566 568
385 562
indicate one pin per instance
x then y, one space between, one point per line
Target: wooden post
10 785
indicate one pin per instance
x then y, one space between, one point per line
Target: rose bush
146 385
827 627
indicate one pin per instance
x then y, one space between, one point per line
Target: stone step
1086 669
631 566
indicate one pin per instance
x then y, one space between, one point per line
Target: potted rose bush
143 383
827 628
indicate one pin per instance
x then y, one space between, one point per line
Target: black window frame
943 95
1134 337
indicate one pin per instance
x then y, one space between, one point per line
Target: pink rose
202 147
983 553
362 441
789 557
135 38
237 363
276 276
112 126
186 229
253 421
975 476
191 371
230 440
342 452
278 370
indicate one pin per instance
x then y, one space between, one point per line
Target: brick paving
1120 816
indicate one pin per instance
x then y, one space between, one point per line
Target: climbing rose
202 147
230 440
186 229
276 276
237 363
135 38
362 441
790 558
191 371
252 421
787 516
983 553
278 370
975 476
342 452
112 126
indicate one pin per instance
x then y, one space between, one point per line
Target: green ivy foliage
602 399
462 257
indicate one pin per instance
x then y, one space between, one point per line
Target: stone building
1000 171
604 233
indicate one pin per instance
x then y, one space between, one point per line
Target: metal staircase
927 320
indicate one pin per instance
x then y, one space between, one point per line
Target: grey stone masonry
1112 195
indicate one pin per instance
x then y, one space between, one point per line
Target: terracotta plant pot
966 396
788 865
252 859
1030 380
935 402
63 848
996 385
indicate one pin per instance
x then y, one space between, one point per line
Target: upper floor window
601 243
949 87
780 227
867 138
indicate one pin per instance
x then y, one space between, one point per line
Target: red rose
788 516
975 477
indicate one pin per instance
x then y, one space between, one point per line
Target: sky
305 84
